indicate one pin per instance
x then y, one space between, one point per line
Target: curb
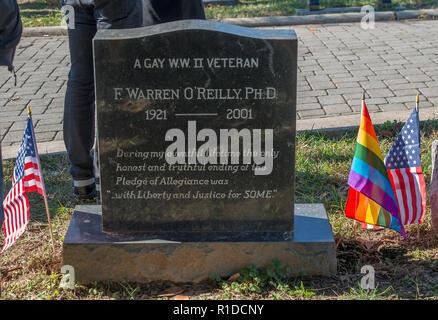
45 31
278 20
50 147
352 121
331 18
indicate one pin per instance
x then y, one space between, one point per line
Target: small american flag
27 177
403 163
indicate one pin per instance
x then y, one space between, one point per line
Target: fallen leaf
180 298
234 277
312 29
171 291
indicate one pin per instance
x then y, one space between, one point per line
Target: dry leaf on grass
322 196
171 291
234 277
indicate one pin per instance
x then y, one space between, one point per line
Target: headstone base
99 256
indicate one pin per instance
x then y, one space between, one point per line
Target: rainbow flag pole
371 198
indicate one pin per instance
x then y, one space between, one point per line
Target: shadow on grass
37 14
317 188
397 274
39 10
386 135
382 130
329 157
38 5
140 291
58 183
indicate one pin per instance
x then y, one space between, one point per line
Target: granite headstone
196 128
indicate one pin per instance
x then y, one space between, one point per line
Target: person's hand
10 32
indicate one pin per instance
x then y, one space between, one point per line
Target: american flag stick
42 183
417 105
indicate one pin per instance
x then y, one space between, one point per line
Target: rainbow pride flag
371 198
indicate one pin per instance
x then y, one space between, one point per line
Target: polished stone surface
99 256
170 93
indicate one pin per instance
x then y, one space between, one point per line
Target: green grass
254 8
38 13
266 8
405 269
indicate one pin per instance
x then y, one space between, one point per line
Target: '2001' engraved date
231 114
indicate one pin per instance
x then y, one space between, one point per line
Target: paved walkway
336 63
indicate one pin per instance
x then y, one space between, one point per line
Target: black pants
79 107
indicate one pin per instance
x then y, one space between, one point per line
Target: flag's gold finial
418 98
28 110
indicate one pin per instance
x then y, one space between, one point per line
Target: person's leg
124 14
172 10
121 14
110 14
79 103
